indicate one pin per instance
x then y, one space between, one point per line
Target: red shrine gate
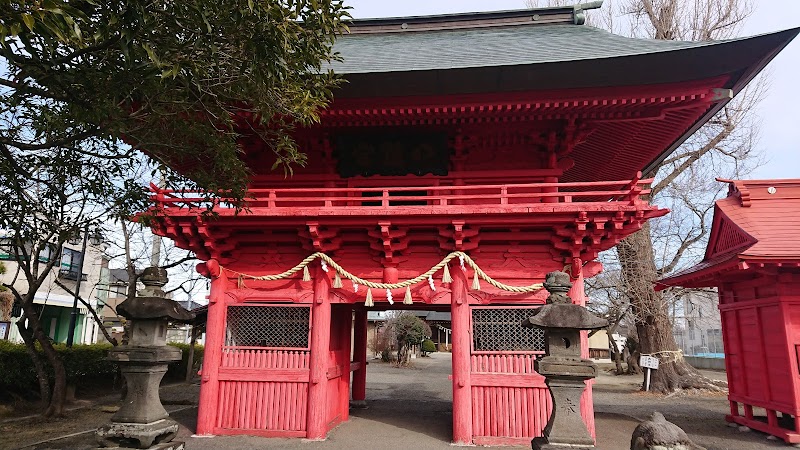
475 133
283 346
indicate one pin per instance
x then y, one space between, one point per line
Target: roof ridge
574 14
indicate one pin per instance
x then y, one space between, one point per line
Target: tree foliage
407 330
97 98
186 81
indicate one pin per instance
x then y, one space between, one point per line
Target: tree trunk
632 360
615 349
190 356
59 392
38 364
651 312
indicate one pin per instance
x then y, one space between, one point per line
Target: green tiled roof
487 47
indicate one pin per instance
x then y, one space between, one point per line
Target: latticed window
268 326
500 330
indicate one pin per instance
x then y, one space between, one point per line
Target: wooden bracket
459 237
390 242
322 239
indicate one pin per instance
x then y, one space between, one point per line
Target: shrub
83 363
17 372
177 370
428 346
407 330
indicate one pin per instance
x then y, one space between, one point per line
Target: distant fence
707 362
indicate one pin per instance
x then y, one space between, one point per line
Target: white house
54 303
698 328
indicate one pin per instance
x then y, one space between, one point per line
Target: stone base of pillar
540 443
138 435
358 404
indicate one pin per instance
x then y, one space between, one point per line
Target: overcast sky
778 112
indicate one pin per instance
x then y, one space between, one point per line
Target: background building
697 325
55 303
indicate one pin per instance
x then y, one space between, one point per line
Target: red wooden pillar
208 406
360 357
317 427
552 189
578 295
462 390
345 330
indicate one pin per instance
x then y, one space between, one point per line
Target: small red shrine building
753 259
515 137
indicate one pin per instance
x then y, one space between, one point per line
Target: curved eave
713 273
740 59
705 274
766 47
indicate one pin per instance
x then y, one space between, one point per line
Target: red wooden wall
262 391
338 372
761 331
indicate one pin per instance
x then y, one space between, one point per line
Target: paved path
407 409
412 408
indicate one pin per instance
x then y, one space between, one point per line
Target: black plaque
391 153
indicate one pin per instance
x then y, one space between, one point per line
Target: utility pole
73 317
155 255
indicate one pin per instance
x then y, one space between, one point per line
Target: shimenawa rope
442 265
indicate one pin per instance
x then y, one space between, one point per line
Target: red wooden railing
398 199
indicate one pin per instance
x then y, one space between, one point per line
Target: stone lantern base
154 435
539 444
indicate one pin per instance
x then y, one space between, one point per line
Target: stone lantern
142 421
563 368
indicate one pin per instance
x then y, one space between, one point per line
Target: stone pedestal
565 377
142 420
143 369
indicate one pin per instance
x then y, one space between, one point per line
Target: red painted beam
265 375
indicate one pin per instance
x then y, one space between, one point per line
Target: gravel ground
618 398
412 408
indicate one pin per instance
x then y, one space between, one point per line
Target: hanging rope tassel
368 301
306 275
407 299
476 283
446 278
337 281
